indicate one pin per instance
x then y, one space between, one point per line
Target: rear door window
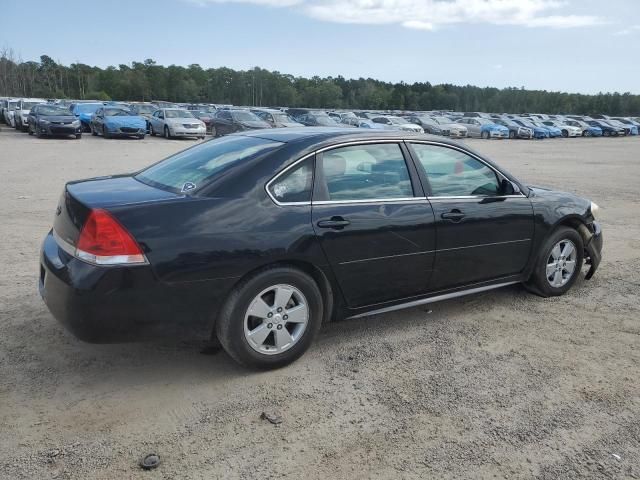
365 172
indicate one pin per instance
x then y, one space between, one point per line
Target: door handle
453 216
337 223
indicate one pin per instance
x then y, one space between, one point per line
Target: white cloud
628 31
431 14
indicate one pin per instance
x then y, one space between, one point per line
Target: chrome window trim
324 149
472 155
371 200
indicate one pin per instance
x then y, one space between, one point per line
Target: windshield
87 107
116 112
197 166
242 116
178 114
484 121
29 105
325 120
282 118
12 105
145 108
53 110
442 120
397 120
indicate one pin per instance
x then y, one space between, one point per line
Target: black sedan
229 121
258 238
53 120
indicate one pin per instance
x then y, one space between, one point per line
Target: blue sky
568 45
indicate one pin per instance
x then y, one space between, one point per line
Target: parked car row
136 119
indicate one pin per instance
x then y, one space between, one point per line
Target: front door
374 224
482 233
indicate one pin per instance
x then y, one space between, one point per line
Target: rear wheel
559 263
512 134
565 133
271 319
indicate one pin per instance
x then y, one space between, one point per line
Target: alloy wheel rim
561 263
276 319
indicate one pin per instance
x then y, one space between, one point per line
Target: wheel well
326 289
577 224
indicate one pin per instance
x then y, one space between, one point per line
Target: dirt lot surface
498 385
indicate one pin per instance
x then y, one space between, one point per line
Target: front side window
294 185
453 173
365 172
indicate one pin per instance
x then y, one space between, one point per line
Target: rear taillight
103 241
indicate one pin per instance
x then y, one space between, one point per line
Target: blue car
587 130
117 122
554 132
84 112
629 128
538 132
608 130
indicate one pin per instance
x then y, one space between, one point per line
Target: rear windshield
193 168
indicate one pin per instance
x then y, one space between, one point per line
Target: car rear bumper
124 304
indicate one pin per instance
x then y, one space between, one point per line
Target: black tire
167 134
93 130
78 136
512 134
539 283
486 135
606 133
151 131
230 321
105 132
565 133
29 131
140 137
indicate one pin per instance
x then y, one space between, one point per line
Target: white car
8 110
399 123
21 112
455 129
176 122
567 130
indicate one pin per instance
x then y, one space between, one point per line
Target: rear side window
294 185
193 168
365 172
453 173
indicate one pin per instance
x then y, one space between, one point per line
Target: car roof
326 134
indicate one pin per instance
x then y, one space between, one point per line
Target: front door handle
337 223
453 216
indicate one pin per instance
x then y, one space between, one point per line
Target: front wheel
29 130
167 134
151 132
512 134
78 136
486 135
271 319
559 263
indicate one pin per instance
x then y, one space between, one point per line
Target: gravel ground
498 385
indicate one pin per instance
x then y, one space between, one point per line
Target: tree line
145 81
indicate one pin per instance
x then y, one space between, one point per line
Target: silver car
176 122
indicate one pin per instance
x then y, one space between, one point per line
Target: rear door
484 231
373 222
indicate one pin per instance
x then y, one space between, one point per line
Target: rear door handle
337 223
453 216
